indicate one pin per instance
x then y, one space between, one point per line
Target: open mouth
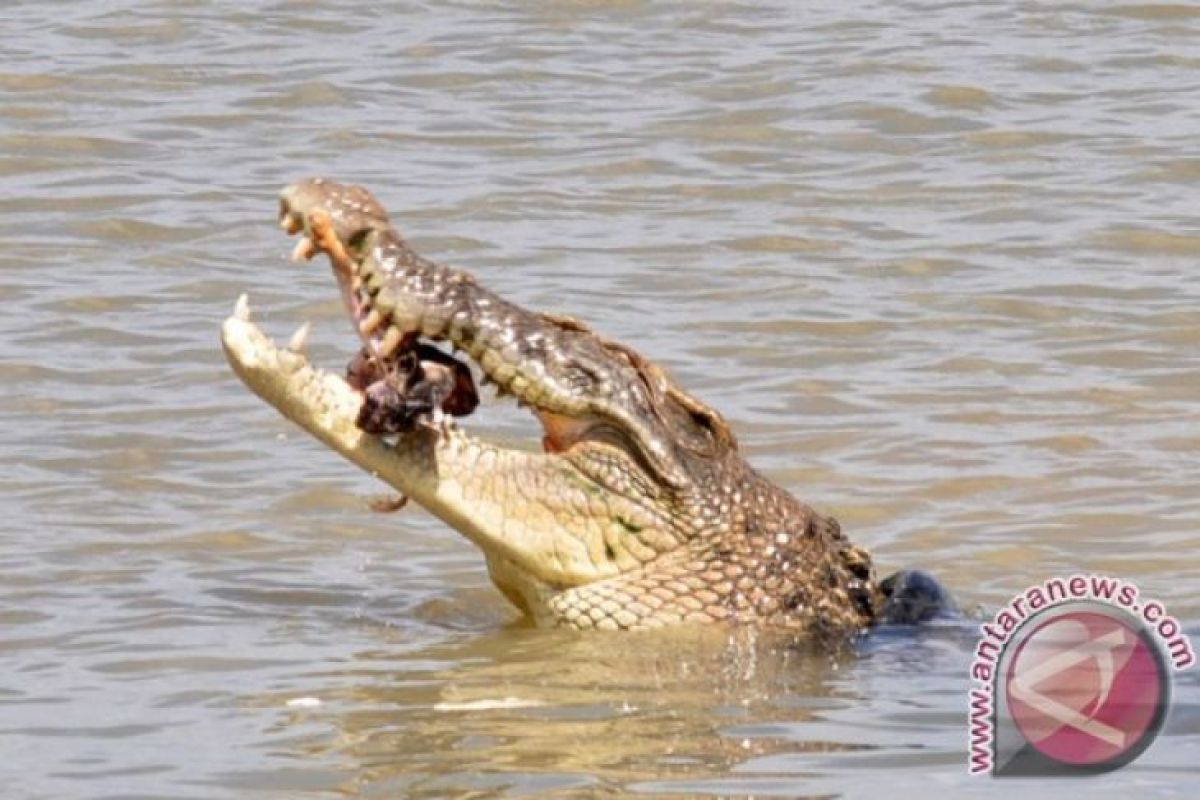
404 372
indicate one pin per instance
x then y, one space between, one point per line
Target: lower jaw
322 403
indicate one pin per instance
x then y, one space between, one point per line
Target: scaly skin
640 512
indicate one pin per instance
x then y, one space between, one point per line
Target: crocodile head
636 511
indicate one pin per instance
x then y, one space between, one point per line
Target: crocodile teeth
391 340
372 321
241 309
304 250
299 339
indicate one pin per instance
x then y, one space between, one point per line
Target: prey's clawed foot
328 215
388 504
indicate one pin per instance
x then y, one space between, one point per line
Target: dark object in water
913 596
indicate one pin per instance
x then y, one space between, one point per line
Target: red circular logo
1086 688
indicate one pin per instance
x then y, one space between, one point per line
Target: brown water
937 263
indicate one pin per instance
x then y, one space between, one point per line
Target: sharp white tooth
391 340
304 249
374 319
241 309
299 339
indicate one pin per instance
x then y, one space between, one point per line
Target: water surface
936 263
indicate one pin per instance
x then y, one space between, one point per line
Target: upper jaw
575 381
354 269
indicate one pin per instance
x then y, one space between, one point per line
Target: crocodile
639 510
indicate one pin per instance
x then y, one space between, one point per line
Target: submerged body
639 511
